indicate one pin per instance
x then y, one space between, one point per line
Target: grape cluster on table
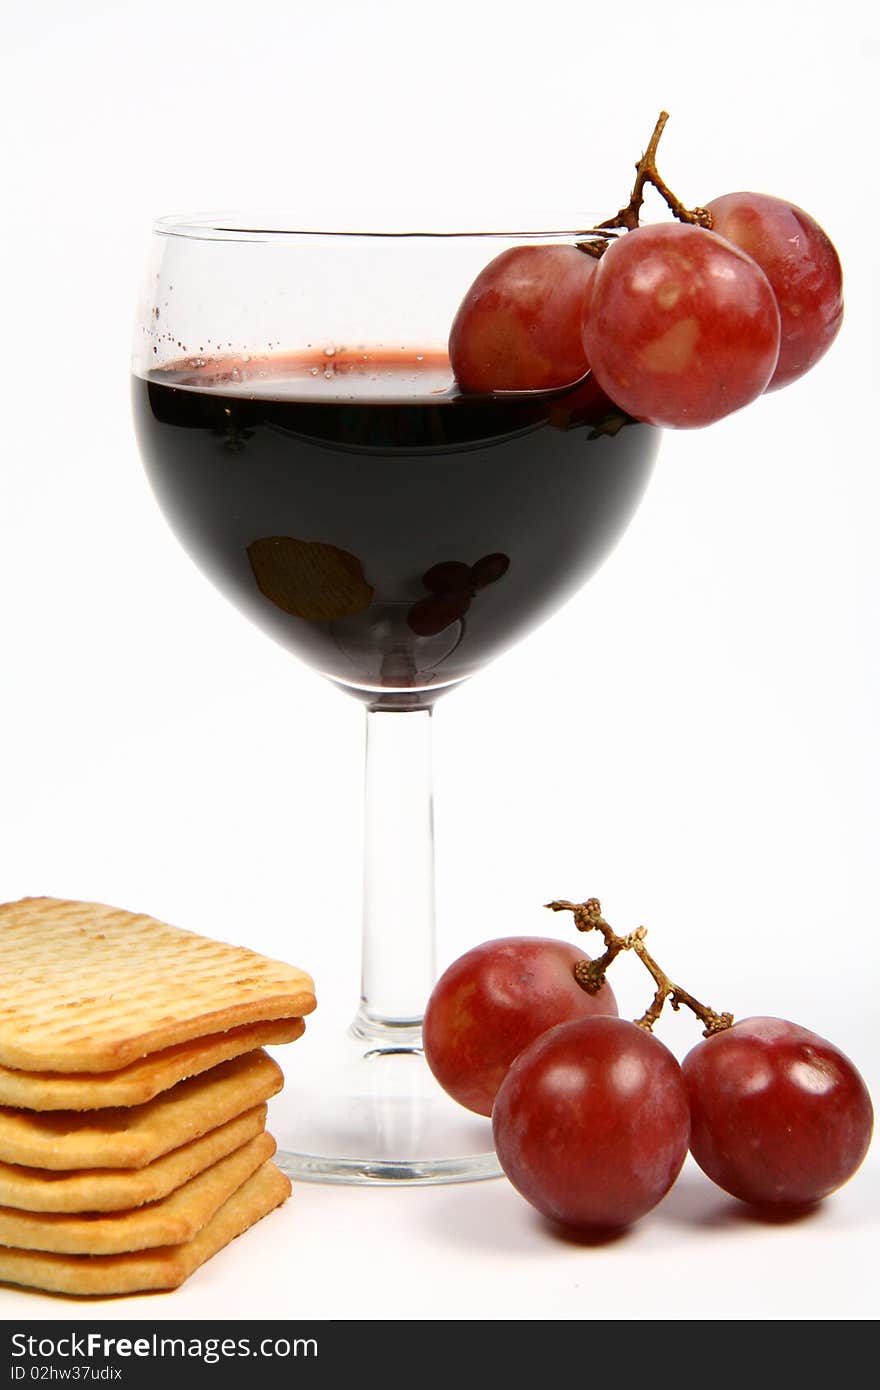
592 1116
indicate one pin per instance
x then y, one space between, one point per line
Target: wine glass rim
266 225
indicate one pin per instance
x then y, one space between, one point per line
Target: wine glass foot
354 1109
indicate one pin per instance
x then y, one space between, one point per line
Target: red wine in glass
390 531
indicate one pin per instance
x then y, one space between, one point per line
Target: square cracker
163 1268
121 1189
170 1221
141 1080
91 988
129 1137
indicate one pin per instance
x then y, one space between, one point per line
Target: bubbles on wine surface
325 373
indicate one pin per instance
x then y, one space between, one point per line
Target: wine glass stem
398 960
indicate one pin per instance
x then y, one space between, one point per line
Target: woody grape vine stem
590 975
627 218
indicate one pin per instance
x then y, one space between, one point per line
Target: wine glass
301 428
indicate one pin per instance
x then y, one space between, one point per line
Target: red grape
803 269
591 1123
586 404
519 325
492 1002
682 326
779 1116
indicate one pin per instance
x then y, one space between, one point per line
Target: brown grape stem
627 218
590 975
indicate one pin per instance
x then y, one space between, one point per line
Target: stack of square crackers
133 1095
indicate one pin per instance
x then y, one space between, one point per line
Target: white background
693 739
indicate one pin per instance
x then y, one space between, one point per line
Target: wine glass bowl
302 430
